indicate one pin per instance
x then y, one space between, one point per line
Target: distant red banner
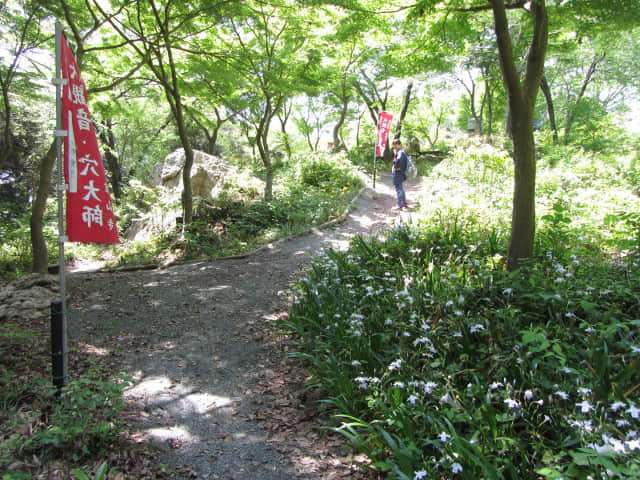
384 125
90 217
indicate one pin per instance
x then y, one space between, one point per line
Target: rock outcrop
207 173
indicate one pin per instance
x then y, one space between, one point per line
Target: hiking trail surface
216 389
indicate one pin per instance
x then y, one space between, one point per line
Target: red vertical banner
384 125
90 217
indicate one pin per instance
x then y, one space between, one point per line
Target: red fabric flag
384 125
90 217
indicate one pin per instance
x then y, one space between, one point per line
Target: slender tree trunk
285 136
6 143
262 135
263 150
546 90
38 242
174 99
490 114
114 167
338 143
587 80
403 111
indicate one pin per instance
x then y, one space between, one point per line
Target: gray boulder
207 173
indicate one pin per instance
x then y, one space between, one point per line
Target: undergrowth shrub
310 192
79 423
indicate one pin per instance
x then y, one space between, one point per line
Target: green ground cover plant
78 423
437 362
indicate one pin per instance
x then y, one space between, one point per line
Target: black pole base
58 355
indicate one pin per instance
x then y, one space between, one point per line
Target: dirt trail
217 391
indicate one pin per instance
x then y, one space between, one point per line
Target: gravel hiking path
217 391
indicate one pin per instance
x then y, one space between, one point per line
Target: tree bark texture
38 242
522 97
114 167
338 141
403 112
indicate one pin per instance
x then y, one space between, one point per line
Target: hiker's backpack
412 170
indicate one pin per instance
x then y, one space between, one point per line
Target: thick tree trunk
523 218
38 242
522 97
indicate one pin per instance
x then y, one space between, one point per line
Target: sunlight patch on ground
170 433
161 390
364 220
176 399
201 403
149 387
87 348
219 287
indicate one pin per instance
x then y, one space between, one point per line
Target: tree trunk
544 86
187 193
403 112
6 143
263 150
490 114
262 135
114 167
286 143
523 218
338 143
522 97
38 242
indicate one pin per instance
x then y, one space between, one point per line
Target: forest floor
216 390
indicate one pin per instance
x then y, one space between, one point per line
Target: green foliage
80 422
15 248
331 173
594 128
435 359
101 473
363 156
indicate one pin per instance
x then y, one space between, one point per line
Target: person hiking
399 170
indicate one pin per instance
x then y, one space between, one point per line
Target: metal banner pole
375 152
60 356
